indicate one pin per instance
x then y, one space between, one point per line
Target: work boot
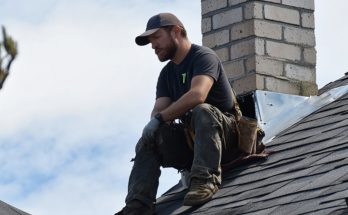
201 191
135 207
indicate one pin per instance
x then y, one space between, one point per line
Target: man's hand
150 129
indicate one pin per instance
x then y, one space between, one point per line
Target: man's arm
200 87
160 104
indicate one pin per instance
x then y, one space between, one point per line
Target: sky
81 91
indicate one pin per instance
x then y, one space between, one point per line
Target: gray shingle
6 209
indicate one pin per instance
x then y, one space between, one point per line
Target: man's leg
213 137
143 180
169 150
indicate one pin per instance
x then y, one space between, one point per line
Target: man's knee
201 108
204 114
144 144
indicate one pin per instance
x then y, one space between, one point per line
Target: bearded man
192 89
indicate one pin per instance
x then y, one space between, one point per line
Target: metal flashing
277 111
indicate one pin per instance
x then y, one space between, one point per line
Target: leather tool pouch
247 135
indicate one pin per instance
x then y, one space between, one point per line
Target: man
192 87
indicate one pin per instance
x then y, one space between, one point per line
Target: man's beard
169 51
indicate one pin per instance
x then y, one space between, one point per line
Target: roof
6 209
340 82
308 172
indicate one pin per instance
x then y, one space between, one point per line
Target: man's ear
177 30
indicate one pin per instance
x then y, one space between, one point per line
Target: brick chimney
263 44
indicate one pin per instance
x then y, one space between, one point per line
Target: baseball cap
154 24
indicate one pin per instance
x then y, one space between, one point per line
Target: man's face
163 44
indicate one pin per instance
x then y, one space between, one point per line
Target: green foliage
9 44
0 56
10 47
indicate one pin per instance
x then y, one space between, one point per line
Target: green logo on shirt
184 77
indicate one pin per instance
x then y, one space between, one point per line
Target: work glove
150 129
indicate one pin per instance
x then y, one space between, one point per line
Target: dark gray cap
154 24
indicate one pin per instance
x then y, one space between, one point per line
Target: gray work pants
215 142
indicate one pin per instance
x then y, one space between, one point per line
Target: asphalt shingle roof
340 82
308 173
6 209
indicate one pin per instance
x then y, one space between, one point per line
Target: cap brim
142 39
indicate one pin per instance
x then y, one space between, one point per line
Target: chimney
263 44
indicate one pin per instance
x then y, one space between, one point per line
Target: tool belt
249 134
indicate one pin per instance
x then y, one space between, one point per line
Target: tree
10 47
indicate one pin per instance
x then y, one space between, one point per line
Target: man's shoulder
202 49
203 52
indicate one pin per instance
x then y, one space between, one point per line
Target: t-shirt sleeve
206 64
162 86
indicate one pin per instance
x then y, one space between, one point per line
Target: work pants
215 143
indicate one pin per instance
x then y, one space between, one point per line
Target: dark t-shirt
175 79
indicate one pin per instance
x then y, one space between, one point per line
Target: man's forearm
200 87
161 104
188 101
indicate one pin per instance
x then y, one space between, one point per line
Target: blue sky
81 91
